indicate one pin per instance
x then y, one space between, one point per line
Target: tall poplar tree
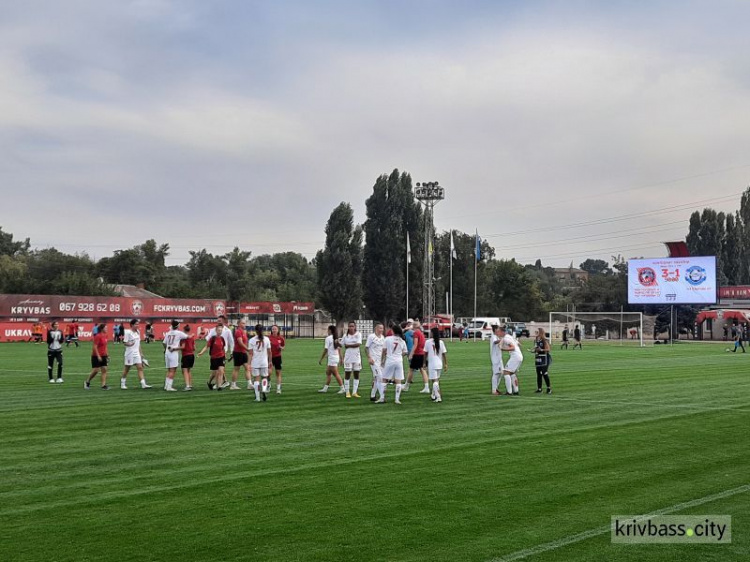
339 266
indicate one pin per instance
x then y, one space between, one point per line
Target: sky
560 130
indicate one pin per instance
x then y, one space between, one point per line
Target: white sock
436 389
495 382
427 386
325 388
398 390
382 385
356 385
508 384
514 380
346 385
278 387
256 387
123 381
374 389
264 385
143 382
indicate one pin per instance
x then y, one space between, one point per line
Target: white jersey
260 349
510 341
434 354
374 347
134 337
333 352
395 349
226 335
496 353
173 338
352 355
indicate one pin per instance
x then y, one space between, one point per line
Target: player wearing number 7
172 340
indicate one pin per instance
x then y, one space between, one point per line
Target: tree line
361 270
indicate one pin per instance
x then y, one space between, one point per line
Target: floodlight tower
429 194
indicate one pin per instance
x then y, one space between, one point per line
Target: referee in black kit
55 339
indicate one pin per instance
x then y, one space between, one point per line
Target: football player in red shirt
99 357
218 353
187 347
277 346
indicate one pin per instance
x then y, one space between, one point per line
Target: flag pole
476 261
408 259
450 258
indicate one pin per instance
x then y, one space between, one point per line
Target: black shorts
187 361
97 364
417 362
239 358
276 362
217 362
542 360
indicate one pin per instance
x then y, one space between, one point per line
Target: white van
481 328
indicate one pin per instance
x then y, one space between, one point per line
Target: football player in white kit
496 359
259 349
172 340
352 341
392 361
515 359
133 358
374 350
437 361
331 349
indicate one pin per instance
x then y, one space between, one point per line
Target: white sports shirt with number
434 354
173 338
260 349
374 347
133 336
352 355
395 348
509 341
333 353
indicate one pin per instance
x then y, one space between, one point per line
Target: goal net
622 327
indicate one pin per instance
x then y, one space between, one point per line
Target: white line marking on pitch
591 533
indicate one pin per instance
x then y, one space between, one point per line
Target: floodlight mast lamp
429 194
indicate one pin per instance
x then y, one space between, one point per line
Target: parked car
519 329
481 328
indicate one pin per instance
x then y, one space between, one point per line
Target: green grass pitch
144 475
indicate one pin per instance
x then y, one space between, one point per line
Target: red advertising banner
740 292
276 308
56 306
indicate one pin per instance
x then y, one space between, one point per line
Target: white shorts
134 359
172 359
434 374
513 365
377 370
349 367
393 371
260 371
333 361
497 368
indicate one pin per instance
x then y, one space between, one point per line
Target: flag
408 249
478 250
453 248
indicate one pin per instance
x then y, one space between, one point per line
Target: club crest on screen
695 275
646 276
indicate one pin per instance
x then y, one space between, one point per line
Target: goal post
617 326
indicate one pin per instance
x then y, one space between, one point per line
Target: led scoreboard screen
672 281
